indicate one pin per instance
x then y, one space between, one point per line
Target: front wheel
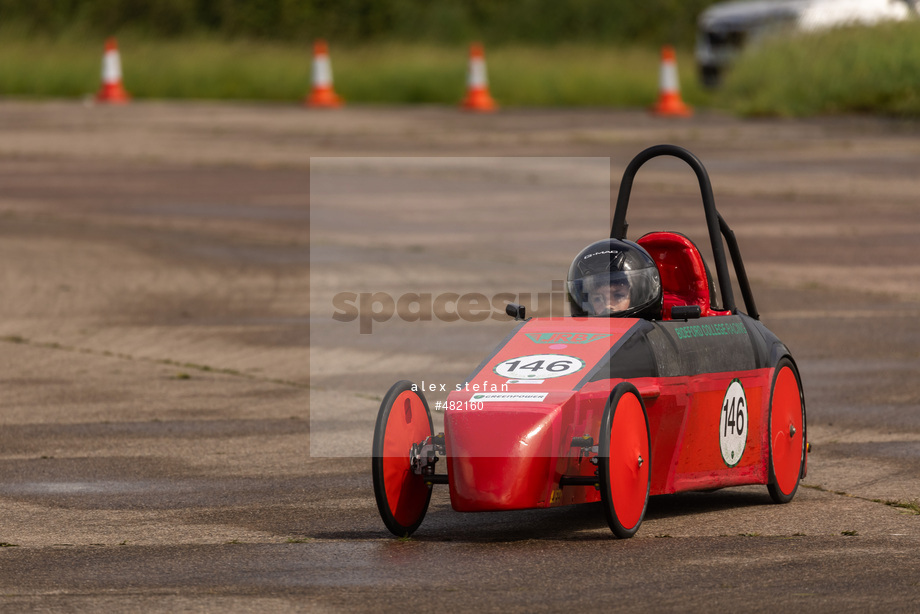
787 432
402 496
624 460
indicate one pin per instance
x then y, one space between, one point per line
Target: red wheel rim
786 431
406 493
628 475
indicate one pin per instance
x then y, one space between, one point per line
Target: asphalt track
184 427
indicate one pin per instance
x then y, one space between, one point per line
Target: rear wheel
710 76
787 432
624 460
402 496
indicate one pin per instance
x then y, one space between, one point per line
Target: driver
614 278
607 296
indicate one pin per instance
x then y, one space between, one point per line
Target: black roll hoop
716 225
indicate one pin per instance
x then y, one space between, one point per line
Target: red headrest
684 279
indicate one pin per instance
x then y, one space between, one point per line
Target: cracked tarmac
165 349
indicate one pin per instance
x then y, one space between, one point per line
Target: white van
724 28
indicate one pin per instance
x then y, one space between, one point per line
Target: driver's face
607 299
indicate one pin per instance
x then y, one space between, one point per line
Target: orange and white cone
669 100
322 95
478 97
112 91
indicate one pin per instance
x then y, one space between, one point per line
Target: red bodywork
511 454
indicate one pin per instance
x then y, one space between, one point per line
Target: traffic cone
322 95
478 97
112 91
669 101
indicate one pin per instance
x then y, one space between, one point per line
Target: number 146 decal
733 424
539 366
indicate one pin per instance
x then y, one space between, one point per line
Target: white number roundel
733 424
539 366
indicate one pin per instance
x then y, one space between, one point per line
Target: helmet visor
614 293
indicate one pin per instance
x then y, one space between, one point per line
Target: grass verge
391 73
849 70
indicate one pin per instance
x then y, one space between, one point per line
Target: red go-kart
584 409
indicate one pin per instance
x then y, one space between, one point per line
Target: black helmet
615 278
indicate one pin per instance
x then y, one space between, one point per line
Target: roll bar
715 223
